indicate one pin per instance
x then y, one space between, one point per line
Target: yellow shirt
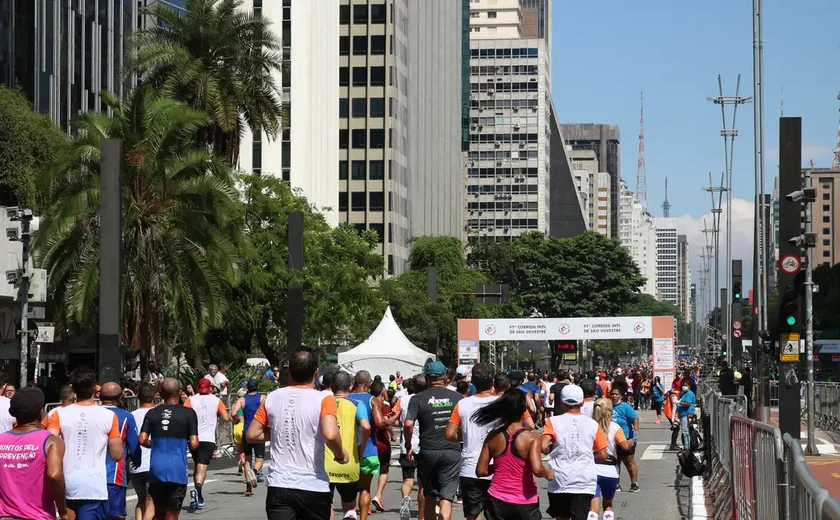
349 428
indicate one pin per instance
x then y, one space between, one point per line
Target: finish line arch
659 329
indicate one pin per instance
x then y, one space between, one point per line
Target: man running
208 409
300 422
110 397
167 431
461 427
383 420
588 386
408 463
369 465
439 459
140 473
249 404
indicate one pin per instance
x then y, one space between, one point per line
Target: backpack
695 439
691 463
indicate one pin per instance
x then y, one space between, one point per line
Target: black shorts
204 453
439 472
140 483
347 491
474 493
657 405
495 509
625 453
569 505
297 504
409 467
384 462
258 450
168 496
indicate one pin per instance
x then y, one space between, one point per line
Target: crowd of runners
470 435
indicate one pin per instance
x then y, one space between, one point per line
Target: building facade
495 19
585 164
683 278
637 233
667 252
536 20
825 214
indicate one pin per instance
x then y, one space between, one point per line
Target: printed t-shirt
293 414
207 409
624 415
402 409
86 430
7 422
128 433
587 408
170 426
362 401
349 417
145 453
614 436
574 439
685 411
472 434
433 408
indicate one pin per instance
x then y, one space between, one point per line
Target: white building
598 205
666 259
637 233
495 19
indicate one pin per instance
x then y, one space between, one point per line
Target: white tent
386 352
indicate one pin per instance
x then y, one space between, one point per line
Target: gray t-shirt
432 408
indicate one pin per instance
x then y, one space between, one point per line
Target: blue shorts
607 487
116 500
88 509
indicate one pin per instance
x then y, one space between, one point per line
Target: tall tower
666 206
836 164
641 174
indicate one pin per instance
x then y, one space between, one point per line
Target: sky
605 53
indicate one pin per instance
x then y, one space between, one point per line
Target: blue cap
435 368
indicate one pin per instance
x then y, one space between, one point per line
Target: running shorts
495 509
607 487
409 467
568 505
439 472
297 504
168 496
474 493
369 465
88 509
140 483
347 491
204 453
384 462
116 501
257 450
626 453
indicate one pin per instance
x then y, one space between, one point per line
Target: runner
7 422
249 404
626 417
208 410
140 473
439 459
88 431
588 387
383 419
570 440
562 380
167 431
409 463
110 397
369 464
34 490
67 398
512 493
608 471
462 427
354 429
300 422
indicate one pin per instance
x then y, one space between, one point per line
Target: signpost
789 352
790 264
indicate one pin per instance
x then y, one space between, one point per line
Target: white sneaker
405 509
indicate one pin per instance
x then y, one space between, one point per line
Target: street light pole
810 448
25 235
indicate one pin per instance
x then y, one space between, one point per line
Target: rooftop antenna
641 173
666 206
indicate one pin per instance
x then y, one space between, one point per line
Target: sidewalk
826 466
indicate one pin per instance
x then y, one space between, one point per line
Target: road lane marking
653 452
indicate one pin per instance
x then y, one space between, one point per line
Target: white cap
462 370
572 395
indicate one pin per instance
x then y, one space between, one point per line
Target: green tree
180 234
341 299
218 57
29 143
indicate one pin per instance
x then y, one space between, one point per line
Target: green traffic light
737 296
791 320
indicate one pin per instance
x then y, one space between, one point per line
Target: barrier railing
806 494
757 469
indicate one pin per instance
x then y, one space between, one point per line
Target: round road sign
736 333
736 325
790 264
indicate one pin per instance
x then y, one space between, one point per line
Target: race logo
439 403
639 327
490 330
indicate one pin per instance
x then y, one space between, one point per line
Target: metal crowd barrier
720 410
807 496
757 469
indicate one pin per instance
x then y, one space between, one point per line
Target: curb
698 499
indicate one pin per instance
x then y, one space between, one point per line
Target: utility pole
716 214
21 278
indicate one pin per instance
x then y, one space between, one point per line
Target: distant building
495 20
825 214
683 278
598 207
667 252
637 233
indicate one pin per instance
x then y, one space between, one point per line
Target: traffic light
789 310
736 291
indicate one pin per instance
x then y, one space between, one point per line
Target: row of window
505 154
502 206
504 138
504 121
358 138
362 200
360 14
523 52
360 76
516 189
501 172
358 107
506 86
516 223
361 170
361 47
500 70
532 102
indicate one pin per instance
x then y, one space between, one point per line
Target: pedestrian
588 386
209 409
217 376
89 432
686 410
7 422
249 404
658 393
562 378
626 417
168 430
369 463
355 429
573 443
410 449
110 397
512 491
383 419
636 387
439 459
463 427
300 422
747 383
140 472
608 470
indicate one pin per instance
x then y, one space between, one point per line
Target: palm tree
216 57
180 231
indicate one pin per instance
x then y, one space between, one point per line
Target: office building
536 20
598 206
667 252
683 278
567 215
637 233
825 213
604 140
495 19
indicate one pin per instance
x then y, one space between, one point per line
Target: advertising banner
468 353
543 329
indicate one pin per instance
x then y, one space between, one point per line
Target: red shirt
383 435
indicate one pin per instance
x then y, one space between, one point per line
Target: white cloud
818 152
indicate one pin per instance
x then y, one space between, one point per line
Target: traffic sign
736 325
736 333
789 353
790 264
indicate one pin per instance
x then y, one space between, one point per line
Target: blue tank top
252 404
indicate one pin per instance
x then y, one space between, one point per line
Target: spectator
218 379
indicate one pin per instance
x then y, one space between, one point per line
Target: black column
737 311
110 260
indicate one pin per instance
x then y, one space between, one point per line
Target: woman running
625 416
608 470
513 490
658 398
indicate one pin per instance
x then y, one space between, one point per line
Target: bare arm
224 415
257 433
365 425
234 410
408 432
601 455
452 432
145 440
55 474
115 449
535 453
482 467
193 442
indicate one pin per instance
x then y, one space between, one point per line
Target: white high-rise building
637 233
666 259
495 19
597 208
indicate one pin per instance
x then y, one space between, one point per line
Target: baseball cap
462 370
435 368
204 386
253 385
572 395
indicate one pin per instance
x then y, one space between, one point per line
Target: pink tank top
513 481
23 468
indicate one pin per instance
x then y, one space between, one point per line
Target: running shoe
250 478
405 509
377 503
260 476
248 490
193 500
200 504
634 487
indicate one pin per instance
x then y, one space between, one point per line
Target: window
344 14
359 107
377 170
492 14
342 201
826 254
826 231
343 45
826 218
474 14
343 76
360 45
377 138
360 14
359 138
342 171
377 13
256 150
342 139
826 196
391 264
359 76
357 200
826 207
358 173
377 45
342 107
377 201
377 76
377 107
359 227
380 231
826 242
